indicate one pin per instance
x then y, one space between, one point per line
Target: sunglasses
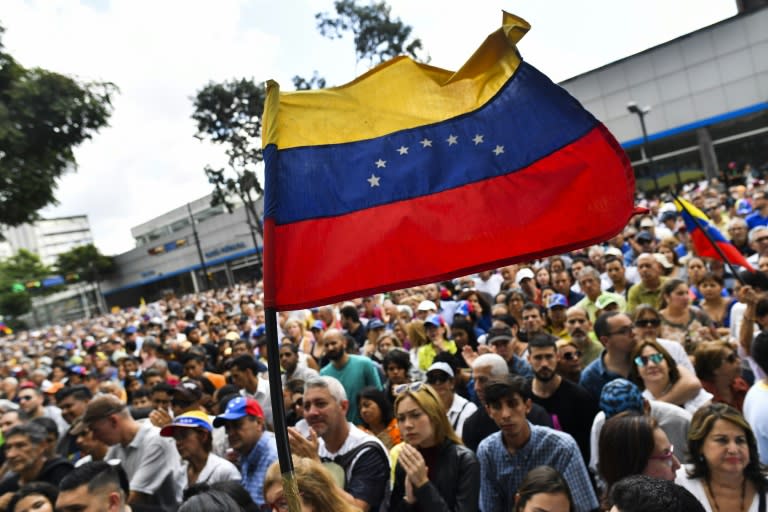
625 331
570 356
412 387
643 360
437 378
649 322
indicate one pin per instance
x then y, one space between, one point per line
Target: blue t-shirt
754 219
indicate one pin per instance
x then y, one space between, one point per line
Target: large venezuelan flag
411 174
703 242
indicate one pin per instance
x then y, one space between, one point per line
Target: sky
161 52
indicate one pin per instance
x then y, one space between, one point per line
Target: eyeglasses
412 387
648 322
570 356
643 360
279 505
732 357
438 378
665 457
624 331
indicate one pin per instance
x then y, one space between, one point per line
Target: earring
701 458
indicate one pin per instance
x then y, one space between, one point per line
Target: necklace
714 499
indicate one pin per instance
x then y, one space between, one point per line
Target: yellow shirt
427 353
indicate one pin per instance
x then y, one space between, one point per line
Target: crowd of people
625 376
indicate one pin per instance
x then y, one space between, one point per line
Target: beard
545 375
335 355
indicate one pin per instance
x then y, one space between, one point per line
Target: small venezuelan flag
704 242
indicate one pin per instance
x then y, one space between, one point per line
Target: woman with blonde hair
434 470
317 490
296 331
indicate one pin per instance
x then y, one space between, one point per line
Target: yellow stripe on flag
398 94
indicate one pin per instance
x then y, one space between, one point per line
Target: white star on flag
478 139
452 140
403 150
374 180
381 163
499 150
426 143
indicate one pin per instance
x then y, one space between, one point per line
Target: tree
303 84
43 117
87 262
19 276
229 114
377 36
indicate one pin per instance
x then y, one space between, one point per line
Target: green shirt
591 308
639 294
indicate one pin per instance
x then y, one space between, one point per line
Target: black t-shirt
480 425
573 409
52 472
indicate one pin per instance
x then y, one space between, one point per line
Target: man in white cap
526 282
425 308
444 308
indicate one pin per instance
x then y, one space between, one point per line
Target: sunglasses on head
732 357
643 360
648 322
412 387
570 356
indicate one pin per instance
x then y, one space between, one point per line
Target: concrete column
195 285
707 153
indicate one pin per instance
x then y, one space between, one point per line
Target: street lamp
641 112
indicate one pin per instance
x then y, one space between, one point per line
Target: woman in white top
655 372
726 474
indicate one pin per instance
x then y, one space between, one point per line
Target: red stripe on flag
577 196
705 250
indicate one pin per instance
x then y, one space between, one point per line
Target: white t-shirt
696 487
460 410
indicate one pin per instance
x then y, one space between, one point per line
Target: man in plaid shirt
508 455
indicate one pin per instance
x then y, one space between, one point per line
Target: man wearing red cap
243 421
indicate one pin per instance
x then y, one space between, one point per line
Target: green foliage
377 36
229 114
86 261
302 84
43 117
23 267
